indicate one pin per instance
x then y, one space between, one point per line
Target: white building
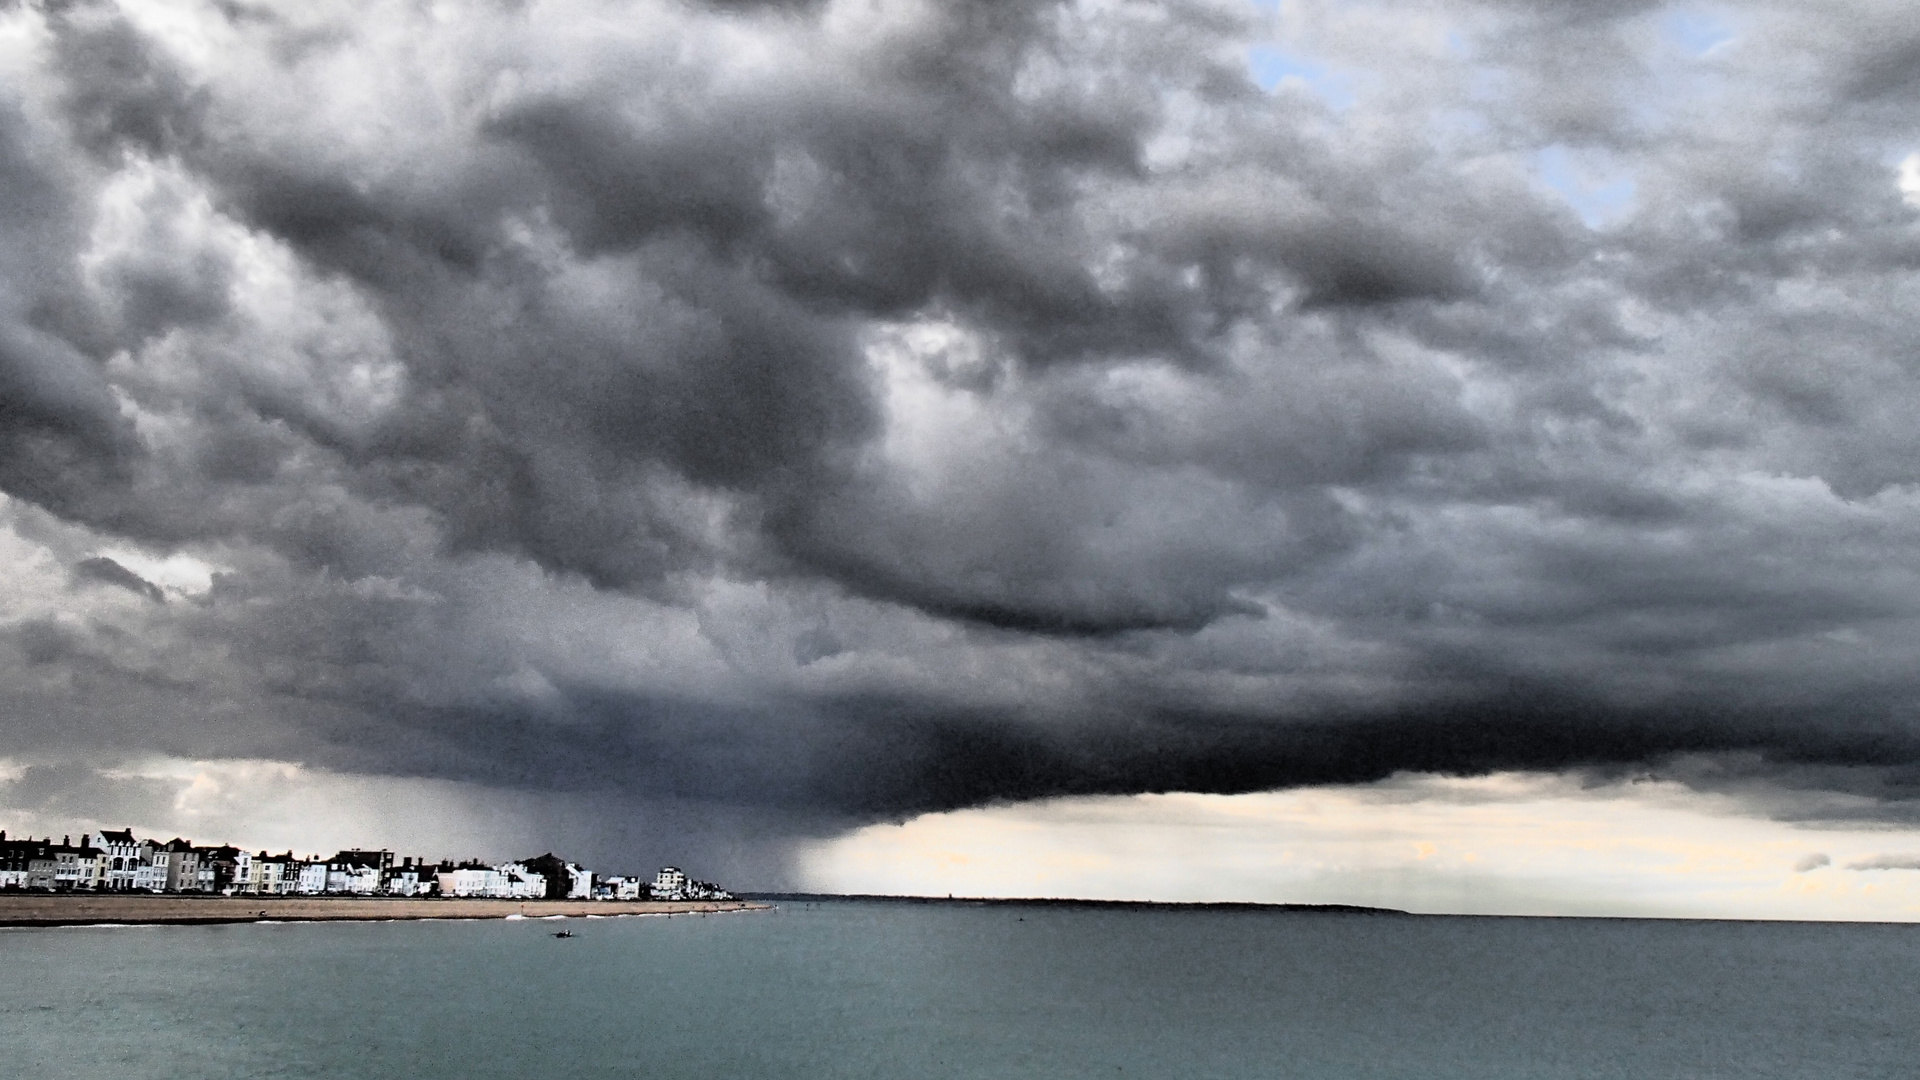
352 880
509 881
472 881
621 888
670 884
310 878
522 883
123 857
579 882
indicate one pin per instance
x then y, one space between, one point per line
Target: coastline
82 909
1070 902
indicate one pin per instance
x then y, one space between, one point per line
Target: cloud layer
1500 844
835 411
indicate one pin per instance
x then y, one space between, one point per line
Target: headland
79 909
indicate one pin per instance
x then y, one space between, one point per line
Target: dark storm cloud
75 791
837 411
1886 862
120 93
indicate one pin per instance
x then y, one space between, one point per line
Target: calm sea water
876 990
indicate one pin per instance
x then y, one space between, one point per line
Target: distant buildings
43 864
620 888
564 880
410 879
121 862
471 881
671 883
510 881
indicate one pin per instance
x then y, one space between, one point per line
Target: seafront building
620 888
672 883
357 873
475 880
564 880
267 875
118 861
309 878
124 855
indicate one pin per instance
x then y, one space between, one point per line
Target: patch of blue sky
1695 30
1689 37
1597 189
1271 67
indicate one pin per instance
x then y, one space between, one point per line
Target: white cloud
177 573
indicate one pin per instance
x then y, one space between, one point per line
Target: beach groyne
79 909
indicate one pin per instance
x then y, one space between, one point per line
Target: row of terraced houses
111 861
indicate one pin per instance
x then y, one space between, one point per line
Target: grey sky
798 415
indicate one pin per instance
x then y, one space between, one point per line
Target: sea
891 990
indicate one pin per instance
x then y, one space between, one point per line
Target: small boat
563 933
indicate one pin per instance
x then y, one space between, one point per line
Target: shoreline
85 909
1070 902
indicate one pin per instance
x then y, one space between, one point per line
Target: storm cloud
820 413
